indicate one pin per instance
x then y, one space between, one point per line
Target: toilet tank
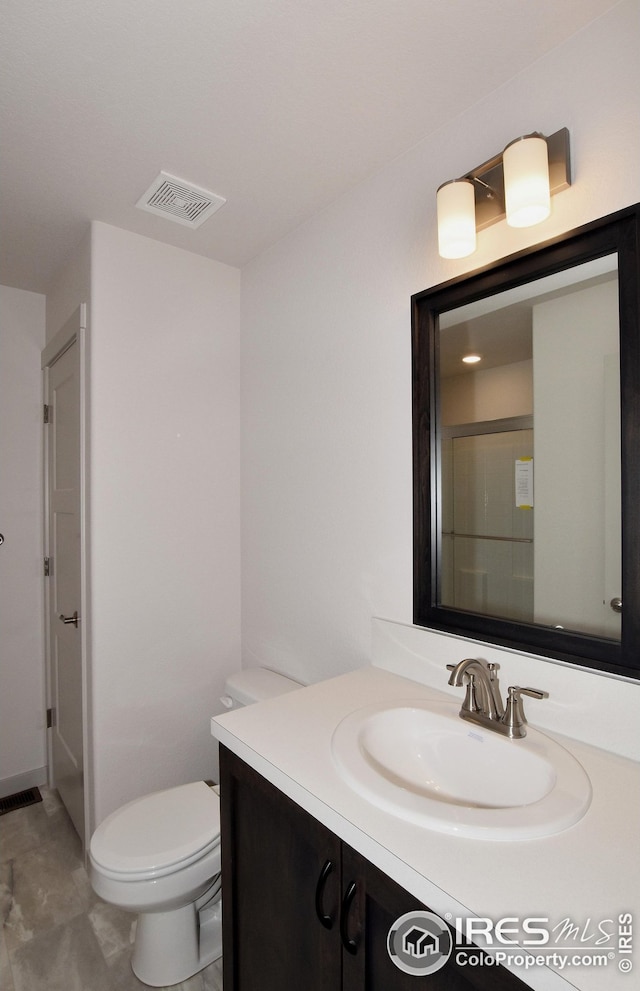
255 685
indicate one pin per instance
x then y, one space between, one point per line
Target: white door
65 619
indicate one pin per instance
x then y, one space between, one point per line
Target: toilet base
172 946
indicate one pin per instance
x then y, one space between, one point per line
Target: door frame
74 331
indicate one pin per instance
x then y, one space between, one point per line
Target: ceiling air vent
178 200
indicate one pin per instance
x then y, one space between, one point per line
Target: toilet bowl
159 856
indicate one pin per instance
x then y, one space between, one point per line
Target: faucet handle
514 717
491 666
471 703
533 693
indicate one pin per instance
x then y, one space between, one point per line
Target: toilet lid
158 832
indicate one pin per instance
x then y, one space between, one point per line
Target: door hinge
47 412
51 718
47 567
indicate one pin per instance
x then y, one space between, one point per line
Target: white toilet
159 856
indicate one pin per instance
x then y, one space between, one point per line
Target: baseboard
20 782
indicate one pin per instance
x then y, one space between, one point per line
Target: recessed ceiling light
471 359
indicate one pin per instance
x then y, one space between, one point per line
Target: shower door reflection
487 527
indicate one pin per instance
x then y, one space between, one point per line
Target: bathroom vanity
296 837
302 909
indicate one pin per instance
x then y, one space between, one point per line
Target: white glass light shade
526 181
456 219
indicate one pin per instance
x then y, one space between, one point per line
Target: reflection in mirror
526 463
545 396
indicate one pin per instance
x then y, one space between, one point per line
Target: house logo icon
419 943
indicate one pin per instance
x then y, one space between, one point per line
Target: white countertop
589 873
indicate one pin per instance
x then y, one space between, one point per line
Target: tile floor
57 935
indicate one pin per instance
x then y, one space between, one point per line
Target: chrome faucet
483 702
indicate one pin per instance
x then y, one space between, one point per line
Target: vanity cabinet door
281 889
377 902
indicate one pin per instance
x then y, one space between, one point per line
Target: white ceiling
277 105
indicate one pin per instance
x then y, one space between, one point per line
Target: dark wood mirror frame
618 233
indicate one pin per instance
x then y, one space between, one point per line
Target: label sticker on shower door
524 483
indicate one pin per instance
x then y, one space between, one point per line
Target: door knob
67 620
616 604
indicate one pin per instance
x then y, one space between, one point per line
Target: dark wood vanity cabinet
273 855
303 911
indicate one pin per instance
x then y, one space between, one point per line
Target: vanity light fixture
456 219
516 184
525 166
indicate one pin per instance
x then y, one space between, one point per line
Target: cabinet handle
349 944
325 919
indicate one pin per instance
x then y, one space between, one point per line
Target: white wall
22 685
327 537
164 516
490 394
164 509
71 287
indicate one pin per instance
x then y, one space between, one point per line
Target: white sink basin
421 762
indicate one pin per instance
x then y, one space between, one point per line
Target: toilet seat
158 834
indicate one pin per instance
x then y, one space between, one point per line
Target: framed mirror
526 462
